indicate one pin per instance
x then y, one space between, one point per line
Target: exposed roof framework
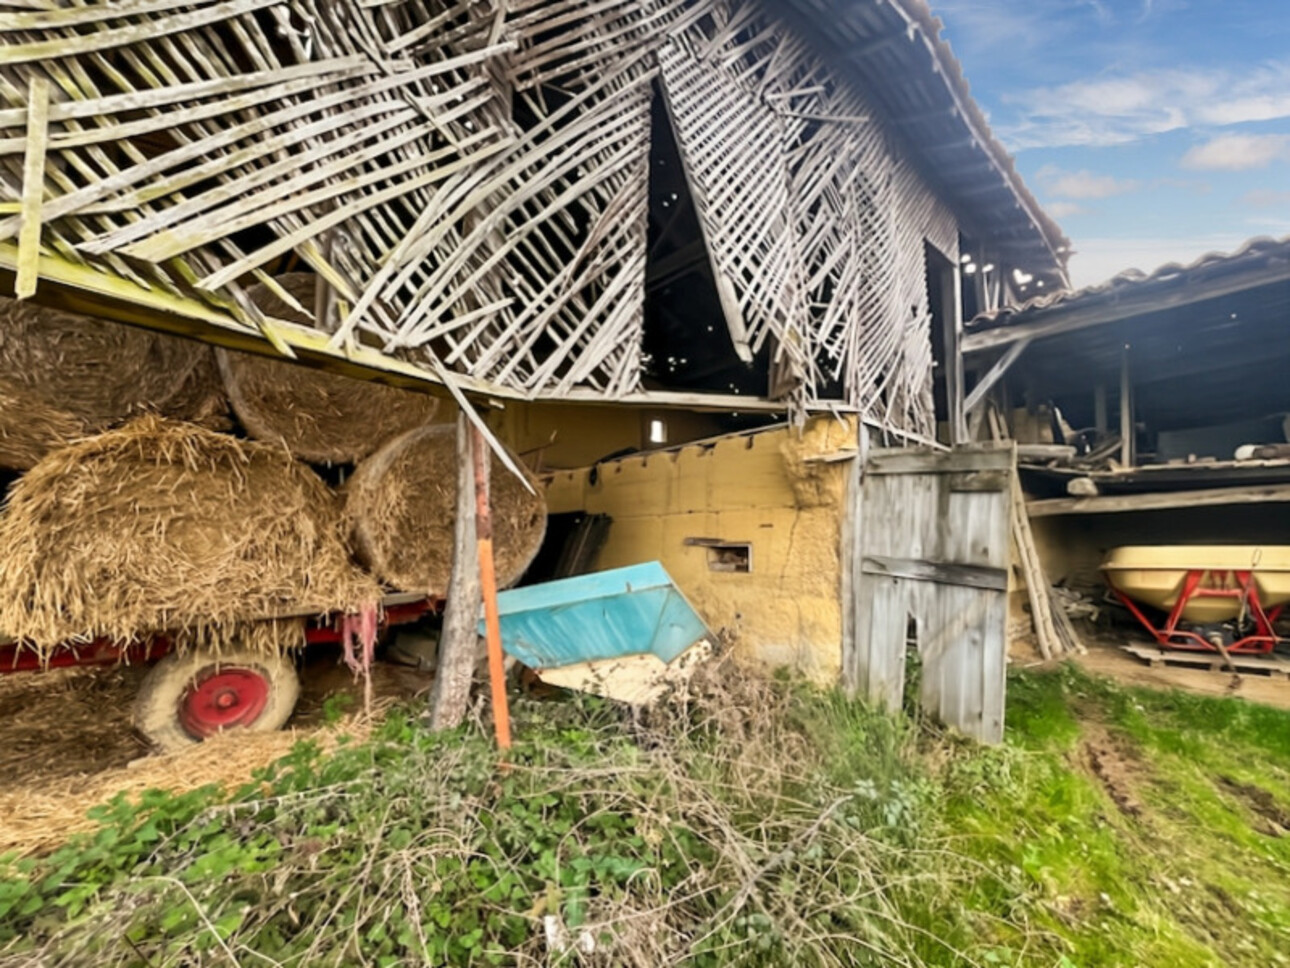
470 180
1206 342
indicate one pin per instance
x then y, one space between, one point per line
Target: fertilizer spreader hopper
1214 598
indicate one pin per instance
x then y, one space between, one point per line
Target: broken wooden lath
470 178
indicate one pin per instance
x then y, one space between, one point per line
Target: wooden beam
910 461
993 375
33 188
1145 298
1099 409
943 573
1159 500
951 281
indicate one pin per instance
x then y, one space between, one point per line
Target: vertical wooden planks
944 513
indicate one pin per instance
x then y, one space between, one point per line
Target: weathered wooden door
930 566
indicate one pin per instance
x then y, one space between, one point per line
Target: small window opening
657 431
730 557
724 555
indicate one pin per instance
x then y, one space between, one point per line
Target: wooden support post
33 188
1099 410
488 586
1126 412
952 301
458 642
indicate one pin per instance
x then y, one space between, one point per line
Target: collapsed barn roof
473 182
896 50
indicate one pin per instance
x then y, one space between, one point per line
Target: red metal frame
15 657
1262 641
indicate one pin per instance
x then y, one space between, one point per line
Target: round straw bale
402 502
103 372
29 428
163 525
320 417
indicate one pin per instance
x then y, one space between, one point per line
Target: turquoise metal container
605 615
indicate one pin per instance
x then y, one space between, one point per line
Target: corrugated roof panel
1254 255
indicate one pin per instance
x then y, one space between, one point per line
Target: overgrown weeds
756 823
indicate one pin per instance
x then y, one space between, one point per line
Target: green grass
759 824
1193 872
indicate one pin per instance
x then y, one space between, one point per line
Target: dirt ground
1107 658
77 722
67 743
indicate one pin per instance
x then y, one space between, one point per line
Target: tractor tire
186 698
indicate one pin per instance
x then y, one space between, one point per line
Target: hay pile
402 502
101 372
66 744
162 525
320 417
30 428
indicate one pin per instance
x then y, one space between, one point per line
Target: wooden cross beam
993 375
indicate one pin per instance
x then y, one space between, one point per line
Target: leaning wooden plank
53 17
1038 591
1117 503
73 44
33 187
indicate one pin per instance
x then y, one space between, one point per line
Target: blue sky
1153 130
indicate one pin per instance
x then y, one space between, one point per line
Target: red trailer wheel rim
223 698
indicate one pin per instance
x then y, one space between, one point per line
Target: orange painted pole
488 590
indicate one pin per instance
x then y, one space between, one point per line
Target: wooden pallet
1273 666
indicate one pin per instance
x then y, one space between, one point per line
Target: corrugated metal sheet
895 49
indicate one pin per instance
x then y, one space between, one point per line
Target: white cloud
1082 184
1238 152
1098 259
1266 198
1063 209
1119 109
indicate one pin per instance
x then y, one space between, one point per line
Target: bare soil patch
67 742
1114 766
1274 817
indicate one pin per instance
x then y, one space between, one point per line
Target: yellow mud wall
577 435
769 489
